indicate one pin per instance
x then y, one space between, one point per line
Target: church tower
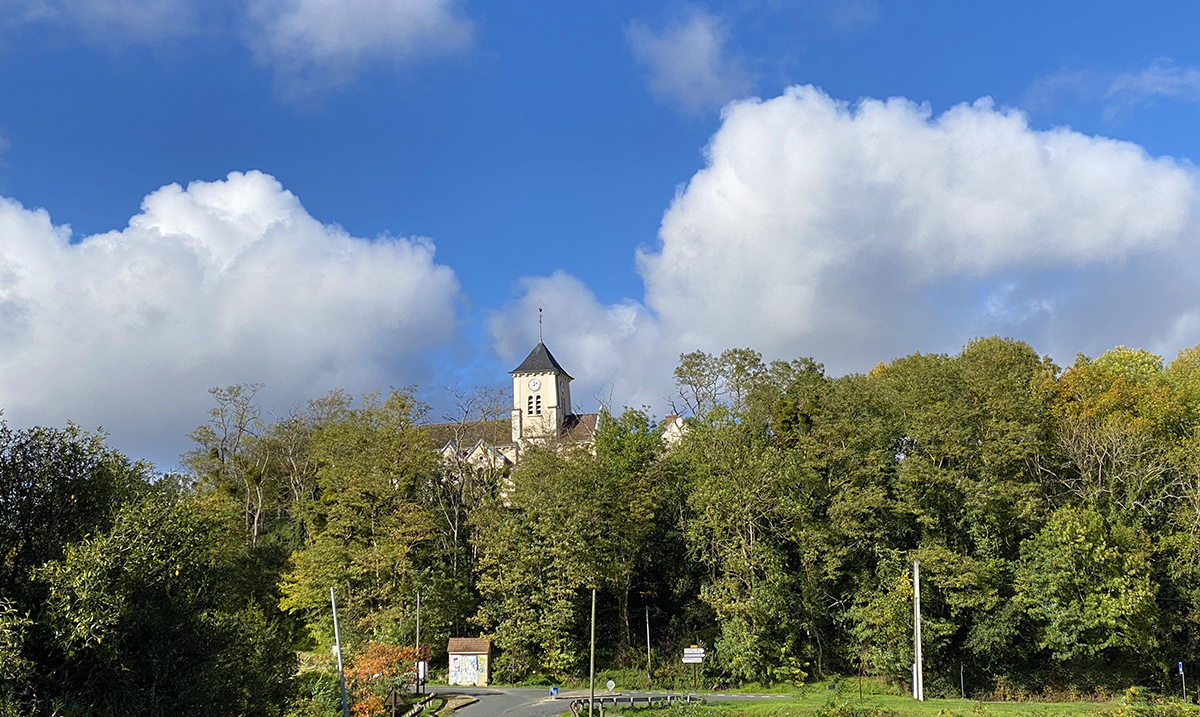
541 397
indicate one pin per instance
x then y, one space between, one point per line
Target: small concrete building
469 658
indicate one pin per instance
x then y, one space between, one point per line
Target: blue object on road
554 692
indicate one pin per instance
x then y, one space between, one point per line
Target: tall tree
365 526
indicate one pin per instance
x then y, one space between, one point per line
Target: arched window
530 405
539 405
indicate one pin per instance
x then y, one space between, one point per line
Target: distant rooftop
539 360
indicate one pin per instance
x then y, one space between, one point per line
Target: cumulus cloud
857 233
687 62
318 42
219 283
107 20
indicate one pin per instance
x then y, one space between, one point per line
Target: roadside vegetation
1055 512
841 699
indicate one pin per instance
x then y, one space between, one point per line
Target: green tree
1086 585
365 526
574 519
152 617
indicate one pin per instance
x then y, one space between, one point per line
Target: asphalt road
536 702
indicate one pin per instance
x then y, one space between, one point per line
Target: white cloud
1162 78
107 21
855 234
311 44
1116 93
688 63
219 283
318 42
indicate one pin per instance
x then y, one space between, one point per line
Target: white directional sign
693 655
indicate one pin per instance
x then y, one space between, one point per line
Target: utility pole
648 677
918 667
337 639
592 669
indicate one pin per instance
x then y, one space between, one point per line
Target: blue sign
554 692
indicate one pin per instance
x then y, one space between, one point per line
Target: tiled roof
466 435
580 428
469 645
539 360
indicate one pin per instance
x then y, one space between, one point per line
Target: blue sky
509 155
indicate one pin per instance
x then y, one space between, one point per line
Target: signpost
693 655
393 701
610 685
422 669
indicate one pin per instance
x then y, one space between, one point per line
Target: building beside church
541 414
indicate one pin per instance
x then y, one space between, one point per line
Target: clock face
534 384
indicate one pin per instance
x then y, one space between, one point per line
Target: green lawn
819 703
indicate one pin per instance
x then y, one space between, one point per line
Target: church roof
465 435
539 360
580 428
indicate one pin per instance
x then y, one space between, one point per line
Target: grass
818 701
813 705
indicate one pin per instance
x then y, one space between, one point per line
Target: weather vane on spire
539 324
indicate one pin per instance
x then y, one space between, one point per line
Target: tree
365 526
57 486
574 520
1085 583
152 617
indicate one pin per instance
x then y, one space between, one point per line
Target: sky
312 194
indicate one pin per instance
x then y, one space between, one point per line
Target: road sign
611 685
693 655
393 699
554 691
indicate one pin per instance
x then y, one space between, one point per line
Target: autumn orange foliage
374 664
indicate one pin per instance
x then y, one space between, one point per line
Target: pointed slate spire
539 360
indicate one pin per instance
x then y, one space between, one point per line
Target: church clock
534 384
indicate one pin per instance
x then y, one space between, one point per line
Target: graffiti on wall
464 669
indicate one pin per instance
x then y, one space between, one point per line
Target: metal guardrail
578 706
420 706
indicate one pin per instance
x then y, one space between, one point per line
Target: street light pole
648 676
592 669
337 639
918 667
